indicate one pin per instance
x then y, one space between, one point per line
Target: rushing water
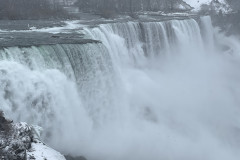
151 90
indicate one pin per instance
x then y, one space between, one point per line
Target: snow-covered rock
215 5
220 6
182 6
197 3
21 141
40 151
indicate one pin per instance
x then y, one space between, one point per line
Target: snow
22 140
181 7
67 28
69 25
197 3
40 151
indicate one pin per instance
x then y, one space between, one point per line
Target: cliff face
20 141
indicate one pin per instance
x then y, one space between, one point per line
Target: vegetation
30 9
229 23
127 6
235 4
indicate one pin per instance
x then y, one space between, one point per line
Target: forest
235 4
42 9
47 9
120 6
30 9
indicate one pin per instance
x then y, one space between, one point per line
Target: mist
114 80
182 105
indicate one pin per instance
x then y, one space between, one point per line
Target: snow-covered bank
20 141
40 151
210 6
197 3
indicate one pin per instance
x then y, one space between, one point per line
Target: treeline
235 4
120 6
215 7
30 9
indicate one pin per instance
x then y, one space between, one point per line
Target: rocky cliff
20 141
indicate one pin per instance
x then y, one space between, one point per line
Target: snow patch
197 3
40 151
70 25
21 141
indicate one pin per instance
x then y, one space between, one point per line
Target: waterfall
133 42
150 90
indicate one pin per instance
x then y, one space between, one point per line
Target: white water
161 90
